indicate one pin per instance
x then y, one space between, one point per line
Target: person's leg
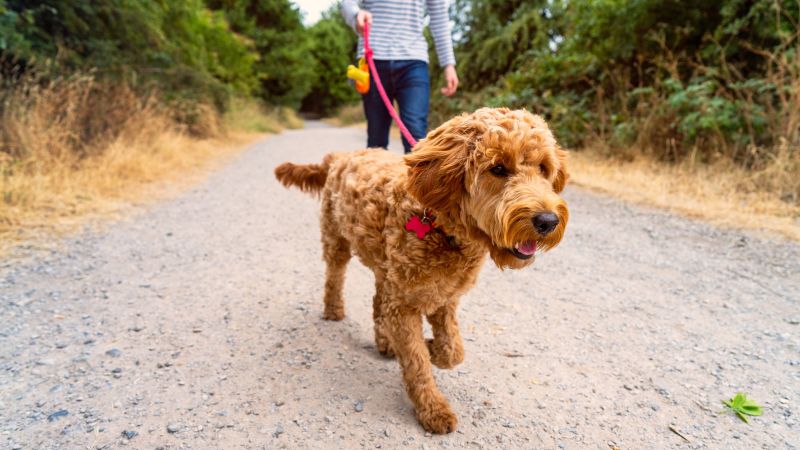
378 118
412 89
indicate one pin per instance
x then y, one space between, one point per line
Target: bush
285 66
704 79
333 49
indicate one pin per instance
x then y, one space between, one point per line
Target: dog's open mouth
524 250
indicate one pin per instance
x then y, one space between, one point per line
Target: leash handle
382 92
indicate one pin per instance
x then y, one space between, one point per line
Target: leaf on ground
743 406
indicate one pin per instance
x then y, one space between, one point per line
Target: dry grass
347 115
249 115
721 193
69 152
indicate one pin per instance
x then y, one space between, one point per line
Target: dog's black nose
545 222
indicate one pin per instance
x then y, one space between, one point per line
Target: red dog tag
414 224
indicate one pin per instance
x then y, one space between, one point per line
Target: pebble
359 407
130 434
114 353
278 431
57 415
173 428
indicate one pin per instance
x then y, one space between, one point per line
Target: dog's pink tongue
527 247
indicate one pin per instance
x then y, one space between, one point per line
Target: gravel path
196 324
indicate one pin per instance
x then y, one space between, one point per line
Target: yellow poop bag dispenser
360 75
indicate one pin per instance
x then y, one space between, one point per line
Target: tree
333 49
285 67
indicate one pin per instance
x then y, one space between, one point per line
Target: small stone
359 407
61 344
57 415
278 431
114 353
174 428
89 341
628 387
130 434
386 433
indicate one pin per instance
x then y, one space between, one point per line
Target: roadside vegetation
100 99
693 106
690 105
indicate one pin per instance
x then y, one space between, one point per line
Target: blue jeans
407 82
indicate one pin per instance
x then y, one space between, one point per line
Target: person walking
401 59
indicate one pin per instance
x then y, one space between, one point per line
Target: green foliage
498 34
705 78
285 67
179 47
743 406
333 49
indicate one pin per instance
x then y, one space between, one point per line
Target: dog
482 183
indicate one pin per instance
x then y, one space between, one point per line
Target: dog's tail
308 177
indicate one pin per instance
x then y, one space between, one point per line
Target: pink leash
377 80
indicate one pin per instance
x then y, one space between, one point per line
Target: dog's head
498 172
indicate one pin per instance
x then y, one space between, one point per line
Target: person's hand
450 80
363 17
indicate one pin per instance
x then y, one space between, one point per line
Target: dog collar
422 225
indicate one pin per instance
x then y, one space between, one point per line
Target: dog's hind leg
446 347
381 341
336 252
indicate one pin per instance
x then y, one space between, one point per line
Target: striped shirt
396 31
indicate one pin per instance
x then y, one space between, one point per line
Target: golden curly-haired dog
485 182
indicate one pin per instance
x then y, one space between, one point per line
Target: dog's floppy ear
562 175
436 167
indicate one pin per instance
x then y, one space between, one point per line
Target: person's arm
440 30
354 16
349 10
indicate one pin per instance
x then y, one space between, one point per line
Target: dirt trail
196 324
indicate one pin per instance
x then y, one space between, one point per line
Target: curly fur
367 197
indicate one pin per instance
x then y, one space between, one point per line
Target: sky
312 9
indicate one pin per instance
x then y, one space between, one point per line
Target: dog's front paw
384 348
438 419
333 314
445 357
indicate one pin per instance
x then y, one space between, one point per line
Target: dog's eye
543 169
499 170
